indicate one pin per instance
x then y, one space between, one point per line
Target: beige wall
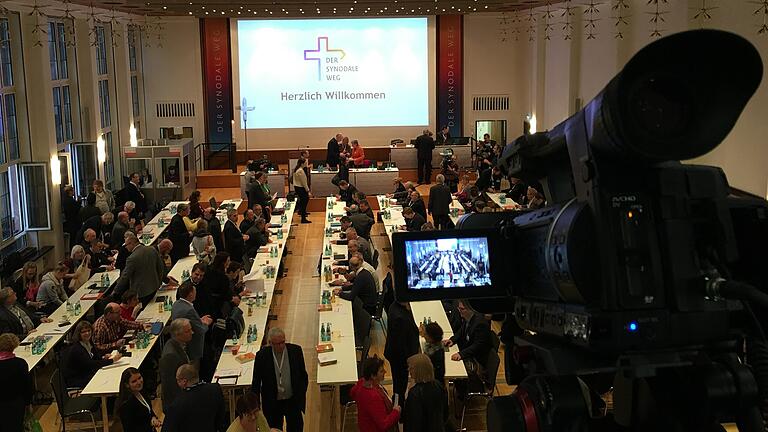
580 68
173 73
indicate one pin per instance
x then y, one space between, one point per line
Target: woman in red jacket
375 411
358 155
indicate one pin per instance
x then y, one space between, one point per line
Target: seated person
535 199
358 155
100 259
490 180
109 329
51 294
473 336
172 175
363 286
258 236
15 318
27 285
351 234
130 306
82 359
352 247
347 281
249 218
416 203
365 208
413 220
433 347
361 222
346 193
400 191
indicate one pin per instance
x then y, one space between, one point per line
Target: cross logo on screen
327 55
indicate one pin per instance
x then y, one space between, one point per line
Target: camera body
618 274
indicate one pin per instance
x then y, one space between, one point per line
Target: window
9 143
84 163
101 51
106 121
109 163
132 42
9 204
34 183
135 95
62 105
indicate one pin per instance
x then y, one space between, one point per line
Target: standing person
174 355
433 347
417 204
248 415
16 384
307 166
133 409
375 410
202 243
199 407
214 227
178 233
424 146
443 135
71 208
333 152
426 409
301 186
195 209
440 203
234 240
132 192
402 342
259 193
90 210
184 308
358 154
104 199
281 384
144 271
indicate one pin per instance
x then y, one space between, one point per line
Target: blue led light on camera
632 327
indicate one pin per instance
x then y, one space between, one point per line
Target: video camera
643 276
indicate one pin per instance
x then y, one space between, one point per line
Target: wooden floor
296 312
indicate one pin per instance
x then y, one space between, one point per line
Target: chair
68 406
386 286
375 259
489 386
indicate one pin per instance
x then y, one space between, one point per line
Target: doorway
497 129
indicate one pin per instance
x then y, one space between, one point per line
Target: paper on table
124 361
226 373
228 381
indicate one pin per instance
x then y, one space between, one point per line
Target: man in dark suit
281 384
417 204
199 407
473 336
424 146
443 135
413 220
249 219
144 271
402 342
118 230
174 356
517 190
259 193
178 233
100 225
363 286
184 308
440 203
234 240
346 193
132 192
333 153
489 180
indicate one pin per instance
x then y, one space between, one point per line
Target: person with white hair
174 355
280 378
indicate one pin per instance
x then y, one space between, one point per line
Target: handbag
82 274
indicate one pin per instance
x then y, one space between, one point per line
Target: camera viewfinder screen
447 263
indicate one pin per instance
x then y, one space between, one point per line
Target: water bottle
69 307
328 333
106 279
250 308
78 308
102 279
323 333
255 333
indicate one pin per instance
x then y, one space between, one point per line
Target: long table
54 330
508 204
275 179
344 371
427 309
405 157
371 181
153 230
106 381
255 282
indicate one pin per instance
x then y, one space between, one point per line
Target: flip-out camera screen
447 263
436 265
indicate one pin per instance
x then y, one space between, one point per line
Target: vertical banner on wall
217 79
450 80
